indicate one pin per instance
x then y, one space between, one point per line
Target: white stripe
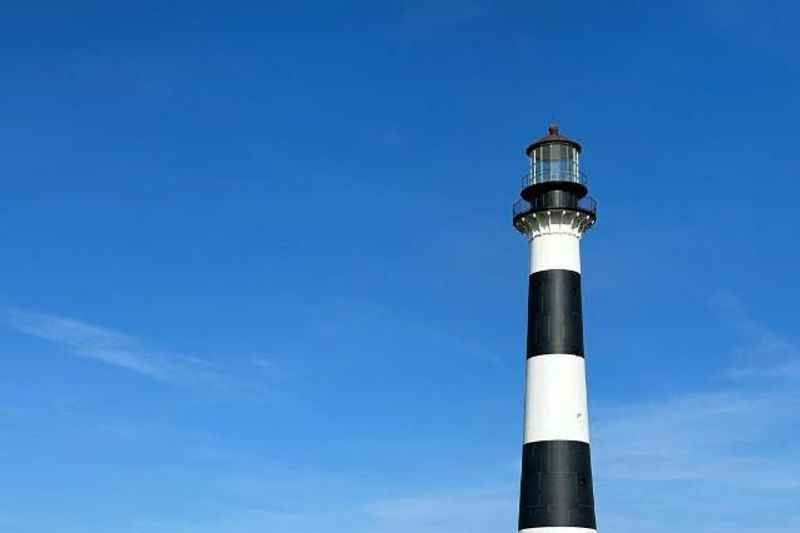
555 398
557 530
551 251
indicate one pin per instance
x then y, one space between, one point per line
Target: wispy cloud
723 455
470 511
86 340
732 438
115 348
475 510
761 351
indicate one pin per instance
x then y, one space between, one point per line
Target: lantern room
554 159
555 185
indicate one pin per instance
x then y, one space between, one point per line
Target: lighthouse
553 213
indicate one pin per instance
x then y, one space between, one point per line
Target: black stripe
556 486
555 319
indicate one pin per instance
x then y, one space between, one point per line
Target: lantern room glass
554 162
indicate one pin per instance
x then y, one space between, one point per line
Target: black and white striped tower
553 213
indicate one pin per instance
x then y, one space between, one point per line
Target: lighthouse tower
553 213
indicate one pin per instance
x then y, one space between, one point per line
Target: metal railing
587 204
544 175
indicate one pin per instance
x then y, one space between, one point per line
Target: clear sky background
259 273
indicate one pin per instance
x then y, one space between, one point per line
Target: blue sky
259 273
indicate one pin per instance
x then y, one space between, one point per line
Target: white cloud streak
113 348
85 340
